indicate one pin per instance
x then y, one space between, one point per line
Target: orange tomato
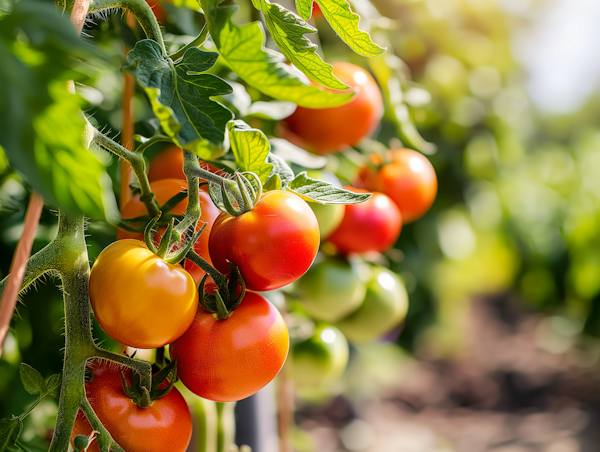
409 179
331 129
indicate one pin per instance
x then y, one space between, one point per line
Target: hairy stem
136 160
193 209
142 13
74 271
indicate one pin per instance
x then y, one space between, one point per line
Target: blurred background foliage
517 213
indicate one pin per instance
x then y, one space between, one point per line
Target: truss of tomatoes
218 358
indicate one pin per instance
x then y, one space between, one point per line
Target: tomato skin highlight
166 425
409 179
319 359
139 299
331 129
373 225
231 359
273 244
331 289
384 307
165 189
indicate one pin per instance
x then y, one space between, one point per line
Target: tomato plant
331 129
201 98
231 359
373 225
319 359
164 425
139 299
331 289
273 244
384 307
408 178
164 190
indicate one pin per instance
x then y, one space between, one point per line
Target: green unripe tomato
331 289
329 217
384 307
320 359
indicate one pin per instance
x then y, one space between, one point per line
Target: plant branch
193 209
136 160
197 42
142 13
141 148
143 368
104 439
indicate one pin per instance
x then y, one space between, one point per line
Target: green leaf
41 125
10 429
345 23
264 69
304 8
251 148
53 384
388 72
323 192
190 115
281 169
32 380
288 29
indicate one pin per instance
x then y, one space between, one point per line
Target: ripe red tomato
409 179
139 299
164 425
273 244
373 225
169 165
231 359
164 190
331 129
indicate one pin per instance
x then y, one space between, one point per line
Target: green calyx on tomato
223 299
144 397
332 288
319 359
384 307
171 194
273 244
239 196
139 299
229 360
165 425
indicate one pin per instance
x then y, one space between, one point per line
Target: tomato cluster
227 348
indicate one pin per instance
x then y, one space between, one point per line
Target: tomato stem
136 160
197 42
140 10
